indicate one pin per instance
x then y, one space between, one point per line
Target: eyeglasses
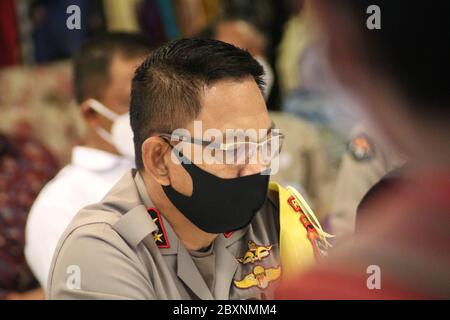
239 152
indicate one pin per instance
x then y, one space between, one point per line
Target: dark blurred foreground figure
387 183
401 249
25 167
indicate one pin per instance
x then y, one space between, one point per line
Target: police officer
365 162
178 227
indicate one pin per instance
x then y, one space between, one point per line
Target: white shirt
86 180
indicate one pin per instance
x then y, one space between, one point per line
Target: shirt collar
168 232
97 160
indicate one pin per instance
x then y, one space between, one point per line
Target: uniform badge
159 235
361 148
259 277
255 253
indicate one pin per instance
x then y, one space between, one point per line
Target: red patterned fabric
9 37
25 166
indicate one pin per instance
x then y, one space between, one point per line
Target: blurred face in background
242 35
115 96
246 36
377 91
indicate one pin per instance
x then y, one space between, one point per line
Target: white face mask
121 136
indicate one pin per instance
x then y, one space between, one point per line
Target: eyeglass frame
221 146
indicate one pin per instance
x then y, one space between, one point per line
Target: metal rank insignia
255 253
159 235
259 277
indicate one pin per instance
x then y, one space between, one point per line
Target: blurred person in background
311 93
298 34
245 35
103 69
364 164
401 249
25 166
269 17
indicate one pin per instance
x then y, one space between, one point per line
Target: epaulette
302 239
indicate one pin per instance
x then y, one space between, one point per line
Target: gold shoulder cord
302 239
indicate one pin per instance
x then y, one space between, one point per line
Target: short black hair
91 64
412 48
166 88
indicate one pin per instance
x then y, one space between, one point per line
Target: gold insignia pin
255 253
260 277
157 237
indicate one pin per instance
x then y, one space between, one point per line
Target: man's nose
250 169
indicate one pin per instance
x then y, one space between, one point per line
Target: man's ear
155 159
89 115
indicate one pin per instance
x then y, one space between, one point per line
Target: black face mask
220 205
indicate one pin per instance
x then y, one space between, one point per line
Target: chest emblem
259 277
361 148
255 253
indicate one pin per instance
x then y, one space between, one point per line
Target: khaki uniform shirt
116 250
363 165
